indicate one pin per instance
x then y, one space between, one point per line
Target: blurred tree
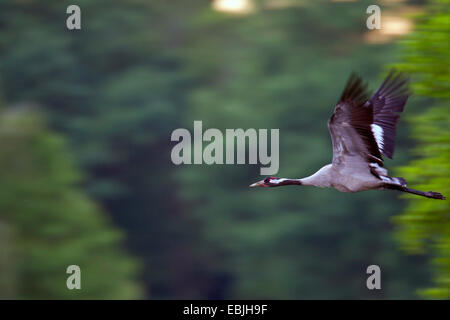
138 70
285 68
50 223
425 225
116 89
8 275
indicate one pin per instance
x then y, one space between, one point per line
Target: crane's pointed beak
257 184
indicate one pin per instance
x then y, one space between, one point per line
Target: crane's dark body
361 130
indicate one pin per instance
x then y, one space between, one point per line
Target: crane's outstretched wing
387 103
362 129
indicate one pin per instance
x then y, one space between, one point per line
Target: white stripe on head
378 135
277 181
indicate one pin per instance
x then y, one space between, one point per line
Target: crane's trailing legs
404 188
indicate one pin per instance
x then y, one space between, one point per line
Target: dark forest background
85 170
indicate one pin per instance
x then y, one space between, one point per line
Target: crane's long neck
319 179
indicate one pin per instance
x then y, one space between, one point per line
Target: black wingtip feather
388 101
355 90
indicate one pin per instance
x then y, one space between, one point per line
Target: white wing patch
378 134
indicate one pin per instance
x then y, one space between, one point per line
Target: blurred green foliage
47 224
138 70
425 226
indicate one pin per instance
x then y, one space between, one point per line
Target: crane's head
268 182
